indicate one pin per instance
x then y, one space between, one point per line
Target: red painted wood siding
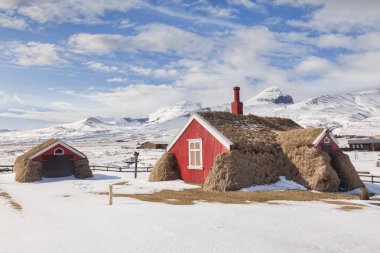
335 146
51 152
211 147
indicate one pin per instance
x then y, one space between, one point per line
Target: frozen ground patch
282 184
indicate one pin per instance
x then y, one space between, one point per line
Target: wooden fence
6 168
368 178
120 168
9 168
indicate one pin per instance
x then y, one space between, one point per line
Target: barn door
57 166
327 148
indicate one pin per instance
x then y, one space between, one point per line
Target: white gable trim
55 144
212 130
320 137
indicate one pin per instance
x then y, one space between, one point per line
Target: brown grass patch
191 196
14 204
350 208
346 206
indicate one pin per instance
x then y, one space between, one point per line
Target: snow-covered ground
365 161
281 184
69 215
66 216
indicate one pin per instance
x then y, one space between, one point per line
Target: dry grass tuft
165 169
308 166
248 132
298 137
191 196
14 204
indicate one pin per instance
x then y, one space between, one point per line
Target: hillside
349 114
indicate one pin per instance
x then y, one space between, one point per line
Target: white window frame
326 138
199 167
55 151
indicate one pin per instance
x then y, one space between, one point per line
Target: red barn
204 137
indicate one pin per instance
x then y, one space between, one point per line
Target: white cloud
340 16
217 11
117 80
10 99
163 38
33 53
314 66
165 73
136 100
73 11
126 23
298 3
156 38
62 105
8 21
246 3
96 44
97 66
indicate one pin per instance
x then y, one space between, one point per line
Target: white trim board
212 130
55 144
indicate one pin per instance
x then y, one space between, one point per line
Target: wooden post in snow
110 194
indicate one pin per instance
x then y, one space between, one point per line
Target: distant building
153 145
370 144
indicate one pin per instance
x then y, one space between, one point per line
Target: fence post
107 167
136 154
372 179
110 194
119 169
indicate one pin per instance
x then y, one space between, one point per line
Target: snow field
69 215
66 216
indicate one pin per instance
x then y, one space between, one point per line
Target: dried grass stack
27 170
313 166
236 169
349 178
165 169
82 169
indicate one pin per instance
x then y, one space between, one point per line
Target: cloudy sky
64 60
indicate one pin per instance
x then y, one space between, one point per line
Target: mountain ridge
348 114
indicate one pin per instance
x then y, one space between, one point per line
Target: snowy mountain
181 109
349 114
270 95
5 130
159 125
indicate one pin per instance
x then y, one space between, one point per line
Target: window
195 154
326 140
58 151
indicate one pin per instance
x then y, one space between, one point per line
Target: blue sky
65 60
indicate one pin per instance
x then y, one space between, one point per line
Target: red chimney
237 106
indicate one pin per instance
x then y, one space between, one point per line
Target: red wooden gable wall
211 147
51 152
334 145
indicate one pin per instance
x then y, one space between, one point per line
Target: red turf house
57 159
199 142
